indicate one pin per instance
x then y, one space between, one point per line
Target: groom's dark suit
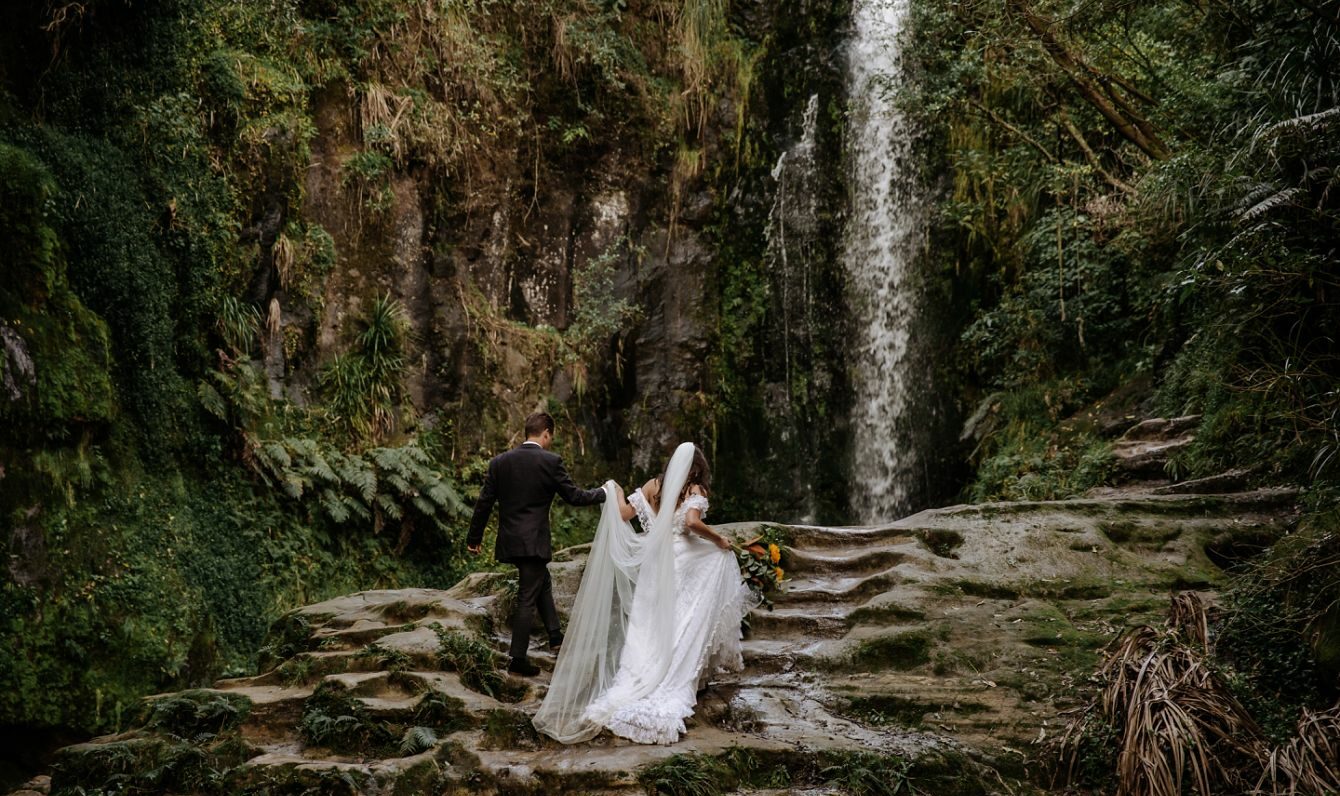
523 482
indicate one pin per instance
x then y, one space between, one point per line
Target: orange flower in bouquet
759 559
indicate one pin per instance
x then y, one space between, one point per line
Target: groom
523 481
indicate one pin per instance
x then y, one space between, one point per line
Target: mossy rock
333 719
132 764
510 729
295 781
196 713
899 651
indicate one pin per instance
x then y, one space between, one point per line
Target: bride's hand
722 542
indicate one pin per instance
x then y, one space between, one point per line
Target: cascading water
884 235
792 233
792 226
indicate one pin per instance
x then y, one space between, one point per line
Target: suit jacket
523 482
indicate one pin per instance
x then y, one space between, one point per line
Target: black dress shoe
523 667
555 641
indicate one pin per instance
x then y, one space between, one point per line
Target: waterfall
792 226
884 234
792 233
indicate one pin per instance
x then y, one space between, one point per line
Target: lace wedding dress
656 615
710 601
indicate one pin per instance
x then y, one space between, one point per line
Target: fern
402 487
424 506
361 477
292 484
334 506
211 400
417 740
1271 202
389 507
320 470
278 453
443 495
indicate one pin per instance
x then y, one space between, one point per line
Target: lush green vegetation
1138 193
1138 218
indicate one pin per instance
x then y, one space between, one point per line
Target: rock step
824 621
852 560
773 655
836 589
1225 482
359 634
806 537
1161 428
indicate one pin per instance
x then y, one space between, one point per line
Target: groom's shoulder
528 453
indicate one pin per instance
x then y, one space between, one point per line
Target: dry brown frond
274 320
1179 729
562 50
1310 763
283 253
1178 723
383 113
1187 617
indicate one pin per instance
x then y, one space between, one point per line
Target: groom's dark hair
539 423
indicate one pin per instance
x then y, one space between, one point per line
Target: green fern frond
303 446
389 507
355 507
211 400
425 506
417 740
293 485
334 506
402 487
276 452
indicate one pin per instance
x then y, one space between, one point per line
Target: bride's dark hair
700 475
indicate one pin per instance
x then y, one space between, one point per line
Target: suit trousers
534 592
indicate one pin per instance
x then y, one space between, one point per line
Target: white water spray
884 235
792 228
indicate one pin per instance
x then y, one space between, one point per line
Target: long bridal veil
624 614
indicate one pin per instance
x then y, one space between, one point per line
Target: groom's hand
474 550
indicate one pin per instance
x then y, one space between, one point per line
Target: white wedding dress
655 616
710 601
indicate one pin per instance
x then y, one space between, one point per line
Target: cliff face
623 271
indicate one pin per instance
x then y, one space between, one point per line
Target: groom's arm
483 508
571 493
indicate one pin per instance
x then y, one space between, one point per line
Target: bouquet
761 564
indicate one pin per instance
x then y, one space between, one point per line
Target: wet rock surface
950 641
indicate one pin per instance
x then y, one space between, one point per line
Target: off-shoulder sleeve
696 502
644 513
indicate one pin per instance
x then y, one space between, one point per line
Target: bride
655 615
